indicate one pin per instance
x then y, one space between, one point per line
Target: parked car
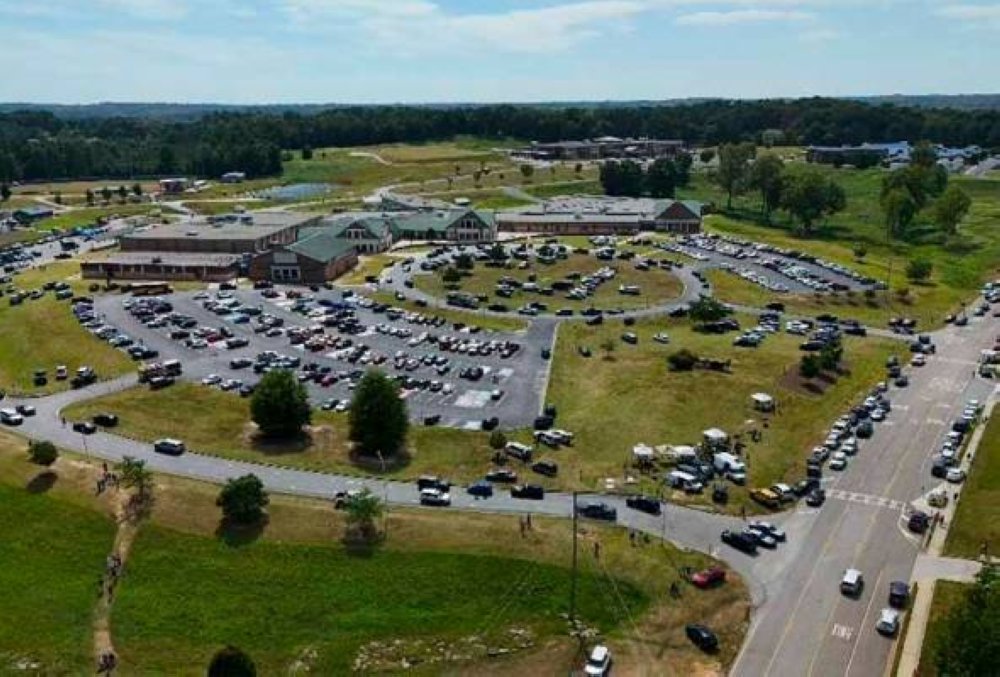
481 489
598 511
770 529
816 498
106 420
647 504
26 410
599 662
527 491
84 428
899 594
547 468
888 622
169 446
919 522
436 497
741 542
702 637
708 578
501 475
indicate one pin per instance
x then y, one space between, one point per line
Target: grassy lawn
294 598
587 186
226 432
613 404
978 516
657 286
947 595
213 207
960 265
488 322
88 216
368 265
51 556
43 334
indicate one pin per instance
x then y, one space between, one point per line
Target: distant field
367 265
978 516
88 216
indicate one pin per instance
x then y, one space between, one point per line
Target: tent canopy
714 435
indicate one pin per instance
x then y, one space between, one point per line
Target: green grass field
367 265
51 556
631 398
657 286
296 599
947 595
88 216
43 334
960 265
978 515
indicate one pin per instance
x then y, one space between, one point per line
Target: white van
725 462
686 481
852 583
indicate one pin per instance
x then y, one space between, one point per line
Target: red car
709 577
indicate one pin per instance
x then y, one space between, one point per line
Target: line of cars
756 534
944 463
852 585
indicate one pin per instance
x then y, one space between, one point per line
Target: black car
490 423
433 482
547 468
481 489
501 475
646 504
899 594
106 420
919 522
84 428
598 511
741 542
816 498
939 468
701 637
432 420
805 487
529 491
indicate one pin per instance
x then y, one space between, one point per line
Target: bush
243 499
902 293
708 309
919 270
497 440
231 662
43 452
860 251
280 405
682 360
810 366
378 419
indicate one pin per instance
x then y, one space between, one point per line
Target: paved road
805 626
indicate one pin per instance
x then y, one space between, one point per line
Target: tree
809 196
280 405
498 253
477 177
135 474
465 262
578 168
307 152
451 276
122 193
608 346
682 167
231 662
57 197
708 309
734 159
527 171
661 178
810 366
951 208
899 210
90 197
4 192
707 155
498 440
106 194
860 251
831 355
362 511
42 452
243 500
767 176
137 189
624 178
968 643
919 270
682 360
378 419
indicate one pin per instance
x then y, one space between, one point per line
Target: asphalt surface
805 626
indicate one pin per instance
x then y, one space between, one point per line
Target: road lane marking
844 632
865 499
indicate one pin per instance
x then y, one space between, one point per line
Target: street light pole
572 596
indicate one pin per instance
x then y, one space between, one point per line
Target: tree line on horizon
38 145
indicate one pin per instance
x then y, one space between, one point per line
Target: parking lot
451 375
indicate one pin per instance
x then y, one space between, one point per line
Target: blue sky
360 51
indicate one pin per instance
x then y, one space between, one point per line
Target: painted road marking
843 632
935 421
865 499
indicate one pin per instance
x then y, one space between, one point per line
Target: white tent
762 402
641 452
715 437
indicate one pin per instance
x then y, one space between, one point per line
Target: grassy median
977 520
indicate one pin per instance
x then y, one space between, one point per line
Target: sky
424 51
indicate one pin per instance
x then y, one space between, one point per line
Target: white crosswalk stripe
865 499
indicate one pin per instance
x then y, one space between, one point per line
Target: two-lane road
806 627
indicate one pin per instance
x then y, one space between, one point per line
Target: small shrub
682 360
43 452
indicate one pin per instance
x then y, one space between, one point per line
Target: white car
888 622
838 461
661 337
599 661
211 380
918 360
878 414
955 475
431 496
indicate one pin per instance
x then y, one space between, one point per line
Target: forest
38 145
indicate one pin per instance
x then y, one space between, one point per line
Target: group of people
525 524
107 479
106 662
112 572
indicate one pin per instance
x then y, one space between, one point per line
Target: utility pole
572 594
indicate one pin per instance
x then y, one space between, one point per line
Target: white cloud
974 15
741 16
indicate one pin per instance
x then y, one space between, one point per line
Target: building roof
323 245
600 208
165 258
203 231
